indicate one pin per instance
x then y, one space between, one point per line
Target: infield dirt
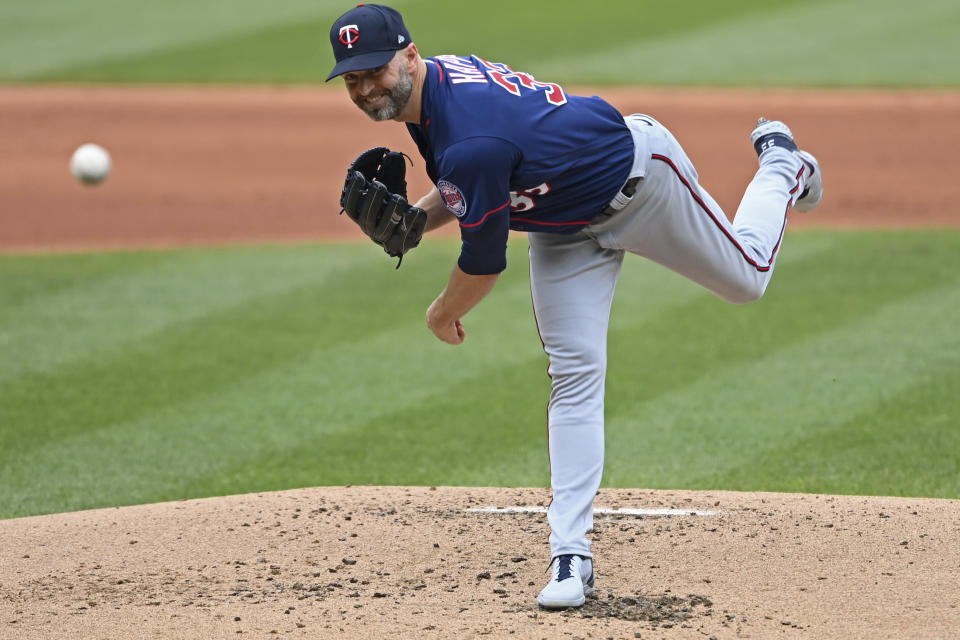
208 166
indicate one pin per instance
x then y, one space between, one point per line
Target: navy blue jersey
508 152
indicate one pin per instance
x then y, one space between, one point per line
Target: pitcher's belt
623 196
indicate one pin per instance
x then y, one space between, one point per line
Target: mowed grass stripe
431 414
741 42
906 444
823 281
340 381
656 349
297 51
533 35
38 37
218 346
849 43
144 421
289 53
59 309
503 441
341 414
39 310
360 368
26 279
464 433
812 390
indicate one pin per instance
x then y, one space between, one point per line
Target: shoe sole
805 204
562 604
588 590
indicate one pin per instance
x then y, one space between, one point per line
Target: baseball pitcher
507 151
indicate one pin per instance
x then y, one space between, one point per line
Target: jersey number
526 199
513 81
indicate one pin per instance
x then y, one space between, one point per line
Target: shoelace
564 568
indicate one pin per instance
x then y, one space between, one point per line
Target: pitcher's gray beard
397 99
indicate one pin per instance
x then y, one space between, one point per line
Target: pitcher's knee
578 369
583 380
744 292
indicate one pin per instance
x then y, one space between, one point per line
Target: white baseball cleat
572 581
773 133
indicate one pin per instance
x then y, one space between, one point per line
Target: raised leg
673 221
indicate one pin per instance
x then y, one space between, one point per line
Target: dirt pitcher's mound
364 562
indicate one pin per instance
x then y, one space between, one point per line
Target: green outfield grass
738 42
135 377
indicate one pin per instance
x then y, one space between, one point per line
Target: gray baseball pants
673 221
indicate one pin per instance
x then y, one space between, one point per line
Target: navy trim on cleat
772 133
569 584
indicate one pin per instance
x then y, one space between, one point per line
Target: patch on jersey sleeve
453 198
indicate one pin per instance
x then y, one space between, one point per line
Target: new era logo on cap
366 37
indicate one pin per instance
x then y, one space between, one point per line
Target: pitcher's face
381 93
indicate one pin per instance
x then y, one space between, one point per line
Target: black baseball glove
375 197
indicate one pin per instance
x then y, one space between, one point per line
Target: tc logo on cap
383 35
349 34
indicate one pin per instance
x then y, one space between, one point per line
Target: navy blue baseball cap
366 37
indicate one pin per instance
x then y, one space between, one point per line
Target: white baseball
90 163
